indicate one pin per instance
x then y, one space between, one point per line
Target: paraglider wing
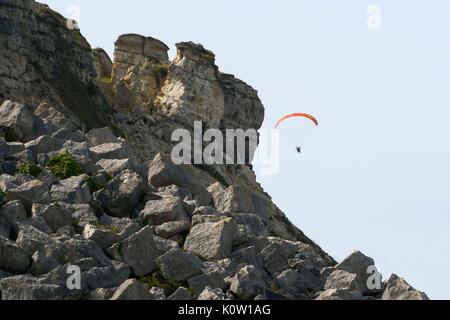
294 115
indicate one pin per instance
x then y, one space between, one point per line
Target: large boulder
34 191
55 216
132 289
10 214
397 288
141 250
100 136
163 172
13 259
26 287
247 283
73 190
167 209
211 241
16 120
177 265
122 194
101 236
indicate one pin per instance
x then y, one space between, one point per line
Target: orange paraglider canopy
295 115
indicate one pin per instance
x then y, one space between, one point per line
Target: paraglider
294 115
299 149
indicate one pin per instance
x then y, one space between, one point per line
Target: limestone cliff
87 178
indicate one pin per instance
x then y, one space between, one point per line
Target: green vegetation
107 80
161 70
30 169
64 166
93 184
111 227
158 280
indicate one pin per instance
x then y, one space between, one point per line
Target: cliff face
88 181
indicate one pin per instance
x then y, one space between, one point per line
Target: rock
335 294
55 216
44 144
246 256
158 293
16 120
106 277
41 264
103 64
37 222
167 209
247 283
132 289
30 192
170 229
116 166
73 190
213 276
82 214
210 294
343 280
10 214
359 264
397 288
122 194
70 250
66 134
211 241
293 283
100 136
110 151
277 254
206 211
141 250
103 238
181 294
253 223
29 288
13 259
176 265
31 239
101 294
163 172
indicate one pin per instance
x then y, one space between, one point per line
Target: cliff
88 181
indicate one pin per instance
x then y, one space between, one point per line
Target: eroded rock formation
87 179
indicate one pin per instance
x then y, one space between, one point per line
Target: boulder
110 151
167 209
132 289
359 264
177 265
211 241
122 194
31 192
247 283
292 283
277 254
41 264
16 120
163 172
181 294
55 216
141 250
13 259
29 288
10 214
44 144
343 280
104 238
73 190
397 288
170 229
212 294
31 239
100 136
335 294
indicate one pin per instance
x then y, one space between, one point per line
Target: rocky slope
87 179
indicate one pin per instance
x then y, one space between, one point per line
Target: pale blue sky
375 175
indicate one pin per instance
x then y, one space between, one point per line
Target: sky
375 175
